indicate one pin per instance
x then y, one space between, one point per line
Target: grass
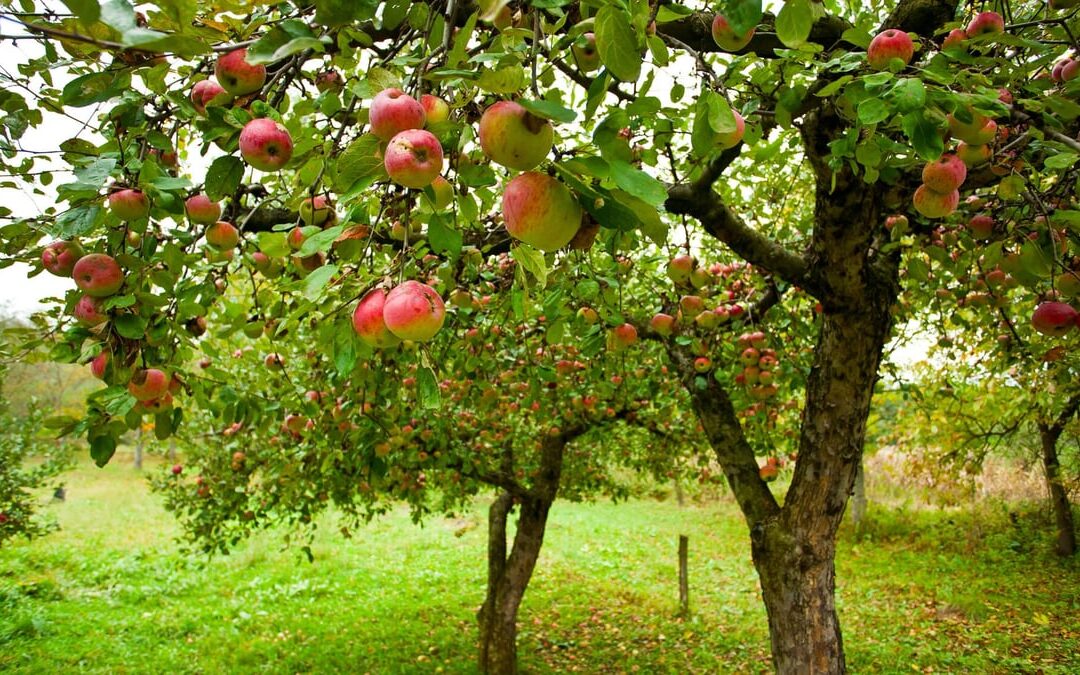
925 591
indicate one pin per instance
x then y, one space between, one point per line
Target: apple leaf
532 261
549 110
287 38
794 22
617 44
315 282
95 88
427 389
320 241
359 160
78 221
638 183
130 326
88 11
923 135
223 177
443 238
502 81
743 15
102 448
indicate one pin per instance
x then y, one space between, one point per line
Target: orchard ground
967 590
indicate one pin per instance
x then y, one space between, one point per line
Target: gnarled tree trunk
1049 433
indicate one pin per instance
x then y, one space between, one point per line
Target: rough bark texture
858 496
1049 433
509 575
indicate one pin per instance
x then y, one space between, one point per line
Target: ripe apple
945 174
148 384
955 39
679 268
726 38
98 275
265 144
236 75
1054 318
732 138
59 257
206 93
317 210
368 320
201 210
274 361
585 53
540 211
621 337
888 45
393 111
129 204
691 305
99 365
435 109
414 311
935 204
702 364
662 324
88 311
413 158
985 23
980 131
973 155
157 405
222 235
981 226
515 138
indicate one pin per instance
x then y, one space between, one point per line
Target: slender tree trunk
1059 498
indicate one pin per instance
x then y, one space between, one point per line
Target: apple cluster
760 366
410 311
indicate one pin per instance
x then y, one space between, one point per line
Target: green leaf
223 177
532 261
334 13
617 44
743 15
320 241
461 42
120 16
443 238
502 81
78 221
88 11
287 38
381 78
873 110
549 110
102 449
794 22
163 425
344 346
274 244
131 326
95 88
427 389
721 117
315 282
923 135
638 183
1060 161
909 94
359 160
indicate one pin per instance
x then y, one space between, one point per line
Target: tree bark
1065 544
858 496
509 575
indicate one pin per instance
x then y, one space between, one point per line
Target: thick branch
696 32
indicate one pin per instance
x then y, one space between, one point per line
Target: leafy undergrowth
926 592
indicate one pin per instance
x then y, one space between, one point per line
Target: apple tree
262 171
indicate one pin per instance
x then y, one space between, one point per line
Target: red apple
436 110
148 384
985 23
889 45
88 311
329 80
981 226
702 364
129 204
413 158
317 210
98 275
946 174
621 337
201 210
540 211
59 257
265 144
680 268
236 75
732 138
662 324
955 39
980 131
1054 318
368 320
515 138
99 365
935 204
393 111
414 311
222 235
726 38
207 93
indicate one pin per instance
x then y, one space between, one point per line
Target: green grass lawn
919 591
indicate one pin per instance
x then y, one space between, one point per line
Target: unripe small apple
981 226
955 39
588 315
329 80
662 324
317 210
730 139
585 53
973 155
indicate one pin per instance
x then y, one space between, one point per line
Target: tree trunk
858 496
508 577
1059 498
